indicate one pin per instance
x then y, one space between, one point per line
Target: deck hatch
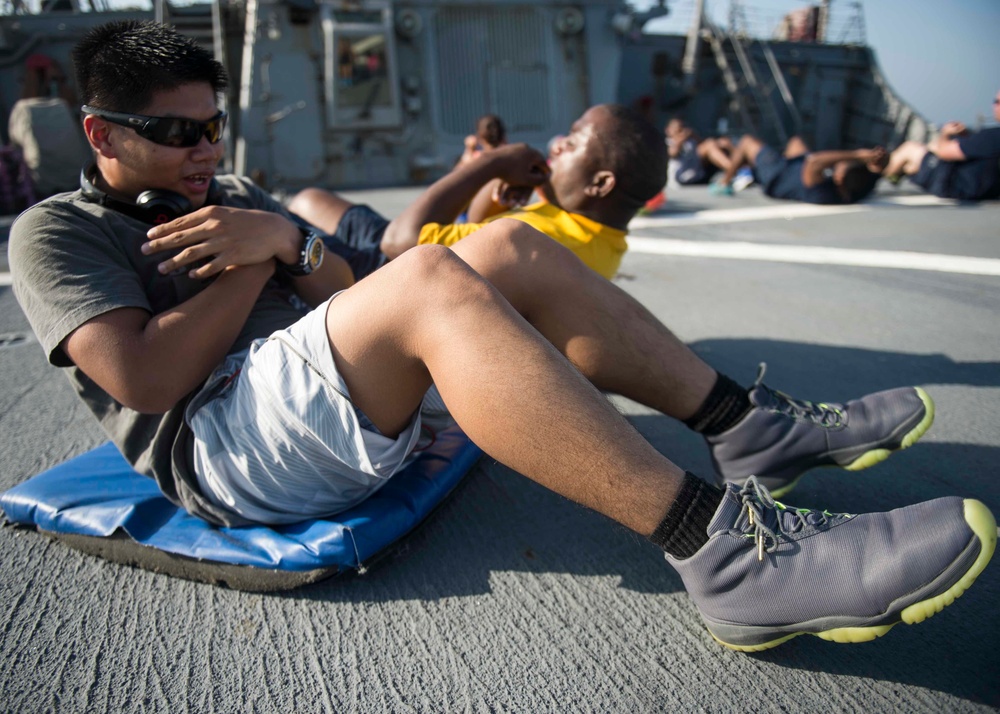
493 60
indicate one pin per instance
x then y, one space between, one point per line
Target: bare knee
307 200
795 147
508 245
434 274
907 157
320 208
527 267
706 146
749 147
909 149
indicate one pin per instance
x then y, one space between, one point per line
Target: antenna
855 24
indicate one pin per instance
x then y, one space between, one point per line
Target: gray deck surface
513 599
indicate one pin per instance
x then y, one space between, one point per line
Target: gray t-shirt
72 260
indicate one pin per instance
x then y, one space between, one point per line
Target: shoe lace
829 415
761 508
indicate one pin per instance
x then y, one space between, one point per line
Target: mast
689 65
822 21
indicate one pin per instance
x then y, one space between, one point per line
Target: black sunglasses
167 131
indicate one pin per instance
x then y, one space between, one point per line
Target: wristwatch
310 258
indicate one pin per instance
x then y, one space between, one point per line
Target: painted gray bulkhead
536 65
841 99
377 92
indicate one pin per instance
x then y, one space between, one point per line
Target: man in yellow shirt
593 182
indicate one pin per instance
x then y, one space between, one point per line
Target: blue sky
941 57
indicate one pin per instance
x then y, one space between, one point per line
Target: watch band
310 257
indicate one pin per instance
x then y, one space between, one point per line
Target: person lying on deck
812 177
698 159
188 342
595 179
490 134
959 163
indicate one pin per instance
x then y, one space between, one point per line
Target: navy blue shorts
691 171
934 175
768 166
357 240
972 180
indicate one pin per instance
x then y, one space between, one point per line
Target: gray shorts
277 438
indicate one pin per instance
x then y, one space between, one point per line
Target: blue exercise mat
98 495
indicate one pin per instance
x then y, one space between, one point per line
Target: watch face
315 252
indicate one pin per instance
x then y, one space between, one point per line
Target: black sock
724 406
685 527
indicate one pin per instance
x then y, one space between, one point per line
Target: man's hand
876 159
509 196
224 238
954 128
519 165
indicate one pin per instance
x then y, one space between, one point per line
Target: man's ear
98 133
601 184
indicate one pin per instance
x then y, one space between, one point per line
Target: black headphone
155 206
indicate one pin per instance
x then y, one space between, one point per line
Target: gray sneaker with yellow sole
781 438
770 572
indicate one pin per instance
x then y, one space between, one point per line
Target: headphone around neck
154 206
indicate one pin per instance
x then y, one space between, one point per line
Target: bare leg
429 316
796 147
906 159
744 155
712 151
725 143
612 339
322 209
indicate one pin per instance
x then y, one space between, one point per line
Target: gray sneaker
770 572
781 438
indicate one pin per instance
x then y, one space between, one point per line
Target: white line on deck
813 254
790 254
778 211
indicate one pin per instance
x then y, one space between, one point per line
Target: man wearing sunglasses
958 164
167 131
187 341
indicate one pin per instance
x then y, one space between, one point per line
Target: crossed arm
517 165
818 162
946 145
150 362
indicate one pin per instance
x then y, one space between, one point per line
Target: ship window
362 74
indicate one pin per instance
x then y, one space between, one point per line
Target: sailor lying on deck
490 134
698 159
796 174
958 164
594 181
183 340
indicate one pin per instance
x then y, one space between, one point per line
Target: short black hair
637 155
858 182
120 65
491 129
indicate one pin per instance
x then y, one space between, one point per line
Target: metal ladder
747 93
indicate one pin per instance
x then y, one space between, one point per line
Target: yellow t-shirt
599 246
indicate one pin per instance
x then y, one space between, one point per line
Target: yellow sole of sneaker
870 458
982 523
875 456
